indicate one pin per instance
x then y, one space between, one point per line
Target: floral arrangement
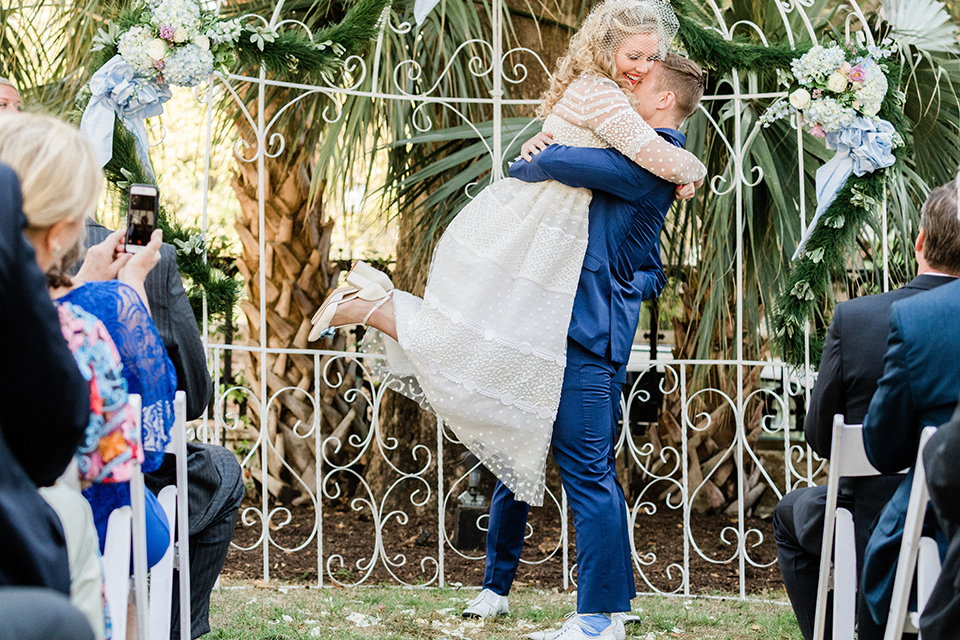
174 42
833 85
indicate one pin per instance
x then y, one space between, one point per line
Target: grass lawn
282 613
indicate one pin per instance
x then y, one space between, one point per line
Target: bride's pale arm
600 105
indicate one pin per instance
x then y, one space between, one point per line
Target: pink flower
166 32
857 74
817 131
817 93
159 65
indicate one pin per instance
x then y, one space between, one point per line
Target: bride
485 347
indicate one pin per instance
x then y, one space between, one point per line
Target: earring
56 250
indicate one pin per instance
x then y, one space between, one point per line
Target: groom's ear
668 100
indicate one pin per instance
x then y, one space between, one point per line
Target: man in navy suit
626 215
919 388
850 369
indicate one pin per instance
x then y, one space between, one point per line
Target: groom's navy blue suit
621 268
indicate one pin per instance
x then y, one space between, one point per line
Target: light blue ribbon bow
118 92
421 8
863 147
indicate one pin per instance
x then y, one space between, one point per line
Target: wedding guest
919 387
38 438
62 185
850 369
9 97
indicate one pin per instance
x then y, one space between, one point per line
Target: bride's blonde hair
592 50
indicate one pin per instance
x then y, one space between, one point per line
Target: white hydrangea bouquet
833 85
169 43
176 42
837 93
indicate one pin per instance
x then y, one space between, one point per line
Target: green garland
824 256
289 55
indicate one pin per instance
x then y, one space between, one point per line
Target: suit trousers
584 436
214 492
798 531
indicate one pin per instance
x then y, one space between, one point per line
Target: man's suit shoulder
875 308
929 304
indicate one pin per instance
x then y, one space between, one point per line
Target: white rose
157 49
180 35
837 82
203 42
800 99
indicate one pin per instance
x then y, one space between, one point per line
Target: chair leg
844 577
928 570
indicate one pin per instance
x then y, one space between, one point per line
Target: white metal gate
675 485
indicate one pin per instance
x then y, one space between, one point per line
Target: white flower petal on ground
362 620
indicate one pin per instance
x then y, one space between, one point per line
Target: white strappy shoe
366 283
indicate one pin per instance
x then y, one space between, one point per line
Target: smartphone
141 216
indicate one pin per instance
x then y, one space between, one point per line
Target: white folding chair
848 458
173 499
126 524
153 609
916 554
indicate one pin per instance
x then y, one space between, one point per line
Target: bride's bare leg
353 312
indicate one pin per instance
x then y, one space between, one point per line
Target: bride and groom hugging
527 320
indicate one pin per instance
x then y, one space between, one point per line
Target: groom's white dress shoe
487 605
616 628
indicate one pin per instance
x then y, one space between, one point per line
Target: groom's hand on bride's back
535 145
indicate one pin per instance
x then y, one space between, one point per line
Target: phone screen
141 216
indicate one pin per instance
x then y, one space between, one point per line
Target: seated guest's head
938 244
9 97
60 180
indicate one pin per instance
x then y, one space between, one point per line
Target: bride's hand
535 145
685 192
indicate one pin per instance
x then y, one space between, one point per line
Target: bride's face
636 57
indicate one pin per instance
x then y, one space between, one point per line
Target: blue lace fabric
146 366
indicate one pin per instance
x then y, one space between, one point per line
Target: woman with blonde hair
61 184
485 348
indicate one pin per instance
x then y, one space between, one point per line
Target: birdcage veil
612 22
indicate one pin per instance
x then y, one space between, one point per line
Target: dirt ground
352 535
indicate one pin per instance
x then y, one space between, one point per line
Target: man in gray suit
215 486
851 366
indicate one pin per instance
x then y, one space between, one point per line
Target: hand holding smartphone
141 216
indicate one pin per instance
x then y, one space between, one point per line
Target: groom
626 214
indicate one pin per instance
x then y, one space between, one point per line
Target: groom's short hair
684 78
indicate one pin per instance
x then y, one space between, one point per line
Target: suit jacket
626 214
176 323
941 616
919 387
44 408
850 369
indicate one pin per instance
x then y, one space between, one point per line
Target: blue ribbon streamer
118 92
862 148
